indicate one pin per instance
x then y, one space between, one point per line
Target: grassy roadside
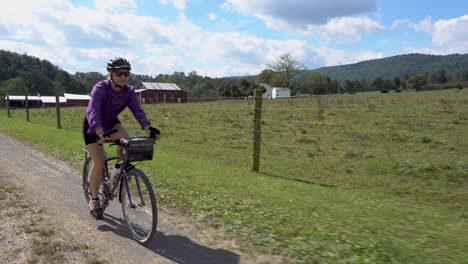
30 236
381 205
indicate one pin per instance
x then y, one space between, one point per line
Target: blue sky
220 38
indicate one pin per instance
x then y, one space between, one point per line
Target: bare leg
97 155
122 133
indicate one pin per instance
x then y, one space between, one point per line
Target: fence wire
222 128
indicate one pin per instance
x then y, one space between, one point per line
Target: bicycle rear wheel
103 189
88 165
139 206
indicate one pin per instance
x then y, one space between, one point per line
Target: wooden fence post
57 107
257 142
8 105
27 108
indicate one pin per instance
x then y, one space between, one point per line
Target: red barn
150 93
50 101
19 101
76 99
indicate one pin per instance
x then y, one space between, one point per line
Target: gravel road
54 185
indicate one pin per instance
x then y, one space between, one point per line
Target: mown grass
365 178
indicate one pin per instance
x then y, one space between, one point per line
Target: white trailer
280 92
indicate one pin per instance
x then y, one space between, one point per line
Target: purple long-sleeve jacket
106 104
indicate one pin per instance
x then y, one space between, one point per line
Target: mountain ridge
397 66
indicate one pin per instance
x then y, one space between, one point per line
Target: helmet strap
112 79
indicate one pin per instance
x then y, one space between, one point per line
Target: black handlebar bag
138 149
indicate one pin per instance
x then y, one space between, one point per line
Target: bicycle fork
127 188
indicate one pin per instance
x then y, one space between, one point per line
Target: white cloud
180 4
153 46
399 22
92 36
227 7
212 16
331 19
424 25
384 41
451 34
224 70
65 58
300 13
332 57
158 64
51 35
348 29
231 48
115 5
97 54
33 21
448 35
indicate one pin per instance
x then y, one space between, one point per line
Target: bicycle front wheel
139 206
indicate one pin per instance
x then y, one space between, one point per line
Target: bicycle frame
121 177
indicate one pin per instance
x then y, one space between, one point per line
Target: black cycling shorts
92 138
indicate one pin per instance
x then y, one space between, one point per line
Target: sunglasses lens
119 74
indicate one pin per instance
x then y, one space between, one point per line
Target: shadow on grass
179 249
297 180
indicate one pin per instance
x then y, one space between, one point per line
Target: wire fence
305 138
312 137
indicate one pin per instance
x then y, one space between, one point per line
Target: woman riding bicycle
108 99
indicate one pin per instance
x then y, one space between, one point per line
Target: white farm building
48 101
275 92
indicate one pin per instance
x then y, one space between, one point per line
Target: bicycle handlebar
106 134
124 141
110 132
121 141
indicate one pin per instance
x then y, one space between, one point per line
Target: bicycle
132 186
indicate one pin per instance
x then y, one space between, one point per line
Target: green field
365 178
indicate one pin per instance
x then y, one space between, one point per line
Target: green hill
398 66
22 74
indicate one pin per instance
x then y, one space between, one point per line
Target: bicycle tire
143 211
103 196
86 170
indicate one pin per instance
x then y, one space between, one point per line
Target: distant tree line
26 75
23 74
288 72
194 84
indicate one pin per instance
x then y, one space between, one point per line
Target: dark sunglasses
119 73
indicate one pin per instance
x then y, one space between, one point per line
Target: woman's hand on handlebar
154 132
101 137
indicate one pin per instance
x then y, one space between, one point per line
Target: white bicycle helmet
118 63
